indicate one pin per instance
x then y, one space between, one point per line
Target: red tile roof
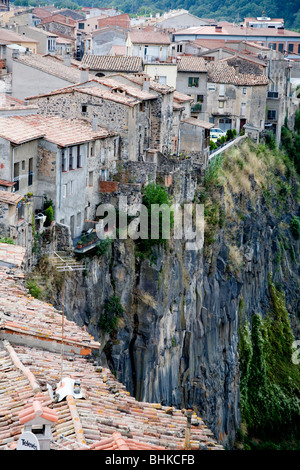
35 410
118 442
107 418
220 72
8 102
60 131
18 132
191 64
149 37
10 198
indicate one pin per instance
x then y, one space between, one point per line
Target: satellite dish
28 441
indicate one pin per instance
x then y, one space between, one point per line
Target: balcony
196 108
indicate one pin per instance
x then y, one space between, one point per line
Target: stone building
192 80
124 109
62 159
235 98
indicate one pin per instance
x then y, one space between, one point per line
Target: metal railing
225 146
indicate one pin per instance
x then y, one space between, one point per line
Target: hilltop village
95 105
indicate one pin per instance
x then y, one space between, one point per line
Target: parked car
216 133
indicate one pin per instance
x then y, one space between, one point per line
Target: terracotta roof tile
36 409
191 64
221 72
10 198
18 132
149 37
55 129
107 418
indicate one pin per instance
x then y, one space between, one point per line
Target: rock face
177 342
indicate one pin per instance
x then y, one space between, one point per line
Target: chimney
218 29
95 123
67 60
187 440
146 84
84 74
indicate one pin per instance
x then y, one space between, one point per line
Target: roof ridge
18 364
76 420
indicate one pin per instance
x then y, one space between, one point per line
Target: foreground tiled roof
221 72
12 255
191 64
111 63
61 131
106 418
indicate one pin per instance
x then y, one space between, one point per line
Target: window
91 178
80 25
79 158
193 81
221 104
84 108
272 45
71 187
64 191
78 219
200 98
115 147
298 48
162 79
244 91
71 158
179 47
91 150
30 171
23 164
291 48
51 45
222 90
243 109
16 176
280 47
63 161
271 114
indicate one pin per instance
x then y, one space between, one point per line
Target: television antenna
64 262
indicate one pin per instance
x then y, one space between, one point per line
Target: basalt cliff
176 340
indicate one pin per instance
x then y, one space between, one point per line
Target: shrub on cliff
112 310
156 197
270 382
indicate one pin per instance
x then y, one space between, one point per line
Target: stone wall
112 115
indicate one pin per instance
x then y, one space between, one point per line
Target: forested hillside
231 10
